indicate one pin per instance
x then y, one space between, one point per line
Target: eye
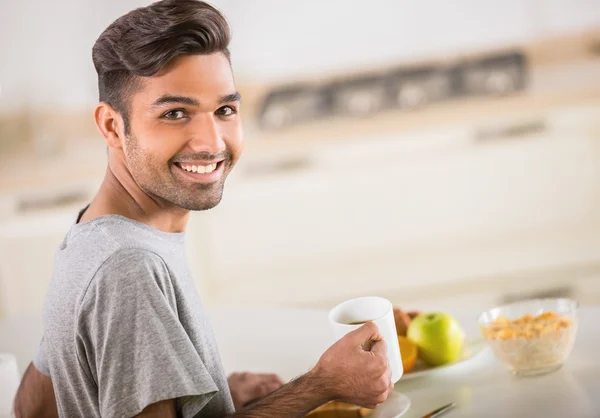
226 111
174 114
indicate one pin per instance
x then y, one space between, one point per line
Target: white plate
470 350
395 406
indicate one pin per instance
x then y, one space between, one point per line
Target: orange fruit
409 353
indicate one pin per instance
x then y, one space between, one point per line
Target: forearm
35 397
294 399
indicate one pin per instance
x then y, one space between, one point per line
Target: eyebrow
228 98
174 99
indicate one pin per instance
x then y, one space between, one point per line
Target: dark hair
145 40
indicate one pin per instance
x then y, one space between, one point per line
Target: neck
119 194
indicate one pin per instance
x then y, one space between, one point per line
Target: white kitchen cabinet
397 215
28 244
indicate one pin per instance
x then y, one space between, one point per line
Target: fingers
278 380
260 385
380 389
379 348
238 377
381 395
274 379
253 377
367 331
263 389
270 383
366 335
269 380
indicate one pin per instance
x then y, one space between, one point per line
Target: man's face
186 132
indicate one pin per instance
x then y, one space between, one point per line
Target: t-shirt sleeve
41 361
132 343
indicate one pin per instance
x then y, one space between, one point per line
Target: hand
355 369
249 387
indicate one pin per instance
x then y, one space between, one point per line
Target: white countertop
289 342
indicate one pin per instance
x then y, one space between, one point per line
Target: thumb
379 348
367 335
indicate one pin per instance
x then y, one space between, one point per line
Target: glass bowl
531 337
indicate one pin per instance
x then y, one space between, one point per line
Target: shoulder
130 272
132 259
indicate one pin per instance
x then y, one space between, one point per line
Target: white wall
311 36
45 46
46 53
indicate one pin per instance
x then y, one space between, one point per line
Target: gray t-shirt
124 326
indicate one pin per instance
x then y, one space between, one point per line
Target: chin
198 198
199 205
202 207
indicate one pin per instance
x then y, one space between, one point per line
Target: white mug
370 309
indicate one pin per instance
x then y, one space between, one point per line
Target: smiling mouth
201 172
200 169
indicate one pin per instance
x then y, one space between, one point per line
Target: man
125 333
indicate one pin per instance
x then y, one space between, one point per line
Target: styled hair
145 40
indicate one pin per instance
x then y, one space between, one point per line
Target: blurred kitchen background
437 153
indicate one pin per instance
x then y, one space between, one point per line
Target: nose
206 136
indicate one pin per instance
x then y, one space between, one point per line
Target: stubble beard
160 182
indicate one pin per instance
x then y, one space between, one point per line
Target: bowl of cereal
531 337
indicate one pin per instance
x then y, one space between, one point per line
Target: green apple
439 337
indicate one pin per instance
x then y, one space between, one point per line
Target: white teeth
202 169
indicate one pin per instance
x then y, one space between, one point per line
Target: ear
110 124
